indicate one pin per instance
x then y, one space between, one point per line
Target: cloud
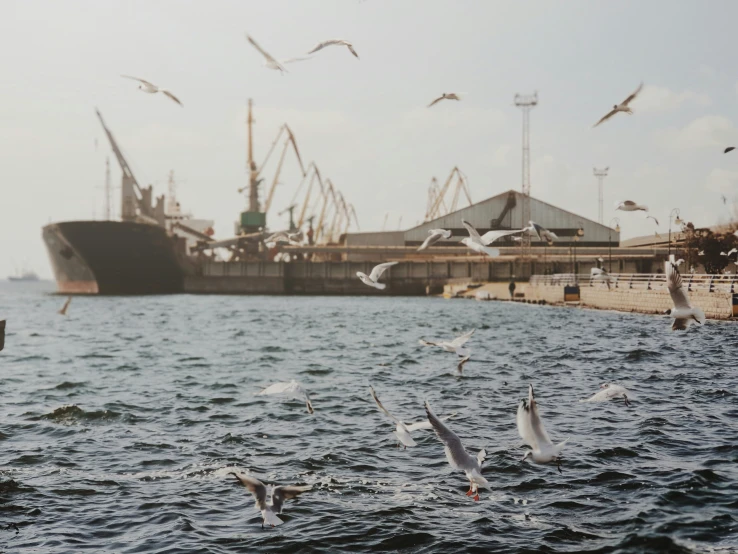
709 131
723 181
661 99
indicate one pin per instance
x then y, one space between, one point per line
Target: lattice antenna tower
601 174
526 103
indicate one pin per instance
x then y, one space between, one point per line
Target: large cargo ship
146 252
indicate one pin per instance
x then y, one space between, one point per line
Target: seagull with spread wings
292 389
373 278
622 107
151 88
334 42
682 312
532 431
608 391
474 242
454 345
445 96
269 61
457 455
629 206
279 495
434 235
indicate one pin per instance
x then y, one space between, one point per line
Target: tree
711 245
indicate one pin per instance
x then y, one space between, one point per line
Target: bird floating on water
629 206
608 392
474 242
151 88
531 430
269 61
622 107
457 455
434 235
454 345
403 430
292 389
335 42
373 278
279 495
444 96
682 312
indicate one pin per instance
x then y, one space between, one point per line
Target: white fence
643 281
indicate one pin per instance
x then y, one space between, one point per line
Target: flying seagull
629 206
491 236
272 64
534 434
683 312
454 345
402 430
334 42
374 276
457 456
279 495
608 391
462 361
622 107
541 232
434 235
599 274
152 88
269 61
474 242
292 389
444 96
652 217
728 149
64 308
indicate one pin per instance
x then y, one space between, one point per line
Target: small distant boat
26 275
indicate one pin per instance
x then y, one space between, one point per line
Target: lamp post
677 221
609 239
579 234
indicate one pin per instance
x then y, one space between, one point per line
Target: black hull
114 257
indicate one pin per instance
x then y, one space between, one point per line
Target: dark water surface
119 423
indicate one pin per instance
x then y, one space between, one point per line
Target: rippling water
119 423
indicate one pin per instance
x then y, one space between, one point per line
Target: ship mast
253 173
107 188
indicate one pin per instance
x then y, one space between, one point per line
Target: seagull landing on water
402 430
335 42
374 276
269 61
682 312
444 96
152 88
292 389
630 206
279 495
623 107
534 434
434 235
457 456
474 242
608 392
453 345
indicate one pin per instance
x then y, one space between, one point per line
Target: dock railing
643 281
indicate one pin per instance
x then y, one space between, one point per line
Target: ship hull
114 257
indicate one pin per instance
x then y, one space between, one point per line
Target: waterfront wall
716 304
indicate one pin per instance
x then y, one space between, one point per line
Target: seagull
2 334
491 236
652 217
402 431
728 149
269 60
457 456
474 242
374 276
534 434
462 361
64 308
608 392
599 274
540 232
622 107
444 96
434 235
629 206
152 88
273 64
731 252
293 239
453 345
279 495
701 253
683 312
335 42
292 389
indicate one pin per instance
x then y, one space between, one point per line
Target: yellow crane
439 195
289 141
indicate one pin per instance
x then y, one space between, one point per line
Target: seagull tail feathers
270 518
559 447
699 315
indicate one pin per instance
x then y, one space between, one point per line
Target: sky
365 122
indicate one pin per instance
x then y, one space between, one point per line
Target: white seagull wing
455 452
606 117
255 487
170 95
462 339
287 492
472 232
491 236
675 286
381 406
632 96
268 57
536 423
379 269
144 81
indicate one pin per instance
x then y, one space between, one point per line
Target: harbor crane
291 210
438 205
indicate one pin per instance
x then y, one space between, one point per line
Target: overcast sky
365 122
